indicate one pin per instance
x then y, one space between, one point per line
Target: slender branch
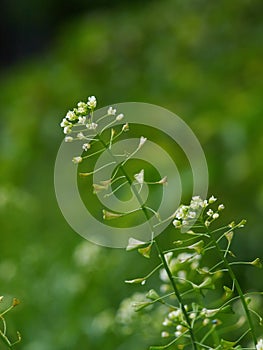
238 288
160 253
177 293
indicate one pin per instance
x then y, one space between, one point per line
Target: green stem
160 253
238 288
177 293
137 195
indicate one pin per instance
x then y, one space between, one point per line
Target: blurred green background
202 60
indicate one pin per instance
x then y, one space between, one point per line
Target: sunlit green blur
200 59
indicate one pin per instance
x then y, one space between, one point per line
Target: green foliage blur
200 59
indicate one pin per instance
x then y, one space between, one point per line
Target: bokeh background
202 60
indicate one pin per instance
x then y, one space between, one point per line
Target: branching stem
160 253
238 288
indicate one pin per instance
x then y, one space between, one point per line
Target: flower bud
125 127
119 117
15 302
77 160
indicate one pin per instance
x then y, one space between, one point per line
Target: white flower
71 116
77 160
165 334
191 214
65 123
140 177
119 117
167 322
176 223
80 136
111 111
196 198
82 107
196 203
210 212
92 102
207 223
68 139
175 314
259 345
86 146
67 129
142 141
221 207
82 120
215 216
177 334
212 200
181 212
91 126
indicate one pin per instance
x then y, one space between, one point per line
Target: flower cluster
80 115
175 323
187 215
78 124
192 299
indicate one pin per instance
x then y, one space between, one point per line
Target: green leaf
198 246
227 345
202 271
98 188
134 244
206 284
146 251
256 263
228 291
152 295
141 305
231 253
108 215
210 312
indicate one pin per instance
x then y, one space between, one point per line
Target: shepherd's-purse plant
206 306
